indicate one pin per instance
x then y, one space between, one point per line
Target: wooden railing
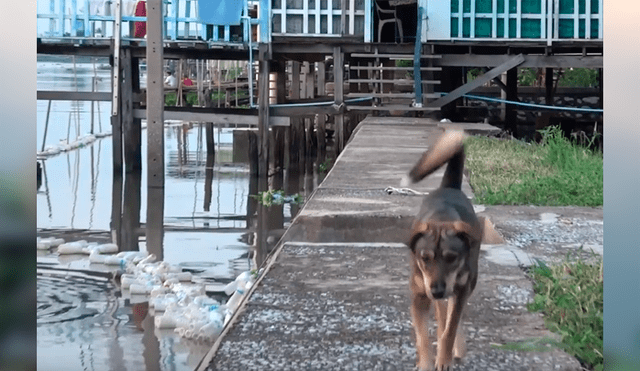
314 18
70 19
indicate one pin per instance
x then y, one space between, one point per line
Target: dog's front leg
420 304
444 354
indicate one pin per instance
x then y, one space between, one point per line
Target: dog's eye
426 256
450 258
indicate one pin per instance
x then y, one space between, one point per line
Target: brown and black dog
445 245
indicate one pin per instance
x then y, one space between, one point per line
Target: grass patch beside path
571 297
556 172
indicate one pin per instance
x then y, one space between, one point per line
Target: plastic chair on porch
394 19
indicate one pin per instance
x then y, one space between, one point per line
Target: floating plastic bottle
97 258
112 260
107 248
234 301
180 276
138 289
167 320
72 248
47 243
132 256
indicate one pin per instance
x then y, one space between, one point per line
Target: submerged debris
277 197
178 302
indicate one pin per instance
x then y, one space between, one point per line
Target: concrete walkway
336 293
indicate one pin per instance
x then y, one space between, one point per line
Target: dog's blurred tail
449 148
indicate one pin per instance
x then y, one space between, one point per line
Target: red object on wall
141 27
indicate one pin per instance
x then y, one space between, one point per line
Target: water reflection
211 226
99 321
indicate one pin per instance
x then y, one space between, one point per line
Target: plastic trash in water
47 243
96 258
107 248
72 247
132 256
166 320
180 276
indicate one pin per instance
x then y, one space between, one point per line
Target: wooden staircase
392 87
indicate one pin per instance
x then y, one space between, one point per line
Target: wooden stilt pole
511 115
131 126
155 130
263 116
338 96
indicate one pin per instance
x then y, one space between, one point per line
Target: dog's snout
438 290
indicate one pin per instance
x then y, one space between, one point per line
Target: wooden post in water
295 81
278 131
131 202
321 76
304 71
208 172
295 123
116 209
321 132
338 78
130 126
155 129
253 144
116 129
310 80
263 113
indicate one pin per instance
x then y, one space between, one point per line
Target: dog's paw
443 367
443 364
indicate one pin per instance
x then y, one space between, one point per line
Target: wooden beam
74 95
219 118
536 61
479 81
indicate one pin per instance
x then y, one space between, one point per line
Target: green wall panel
483 6
530 29
483 27
530 6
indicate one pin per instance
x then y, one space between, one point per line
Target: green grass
556 172
571 297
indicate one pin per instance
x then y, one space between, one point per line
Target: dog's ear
413 240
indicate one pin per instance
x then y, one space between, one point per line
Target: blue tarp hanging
220 12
